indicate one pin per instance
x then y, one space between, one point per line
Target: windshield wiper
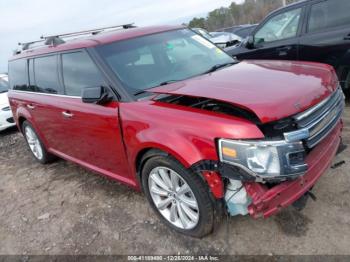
168 82
218 66
140 92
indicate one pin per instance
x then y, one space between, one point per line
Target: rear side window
18 75
46 77
79 72
329 14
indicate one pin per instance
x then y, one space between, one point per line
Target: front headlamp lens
264 158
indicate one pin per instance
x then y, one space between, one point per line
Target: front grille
320 120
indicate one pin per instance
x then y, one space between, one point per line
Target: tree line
249 12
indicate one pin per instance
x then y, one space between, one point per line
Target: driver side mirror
250 42
96 95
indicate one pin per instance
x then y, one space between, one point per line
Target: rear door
277 37
326 35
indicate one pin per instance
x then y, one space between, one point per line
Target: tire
35 145
197 198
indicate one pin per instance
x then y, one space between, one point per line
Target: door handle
282 51
67 114
30 106
284 48
347 37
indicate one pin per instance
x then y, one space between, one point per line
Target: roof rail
92 31
57 39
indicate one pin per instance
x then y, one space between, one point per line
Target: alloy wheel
33 142
173 198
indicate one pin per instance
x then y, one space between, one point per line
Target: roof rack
54 40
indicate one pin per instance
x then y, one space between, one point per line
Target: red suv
165 111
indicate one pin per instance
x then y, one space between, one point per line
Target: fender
186 134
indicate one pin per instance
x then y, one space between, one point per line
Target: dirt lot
63 209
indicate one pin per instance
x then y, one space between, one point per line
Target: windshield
3 86
149 61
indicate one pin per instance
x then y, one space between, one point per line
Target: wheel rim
33 142
173 198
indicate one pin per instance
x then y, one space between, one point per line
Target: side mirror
96 95
250 42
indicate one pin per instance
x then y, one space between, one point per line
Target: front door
277 38
89 134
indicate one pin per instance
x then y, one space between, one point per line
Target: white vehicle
6 119
225 39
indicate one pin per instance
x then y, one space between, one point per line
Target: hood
271 89
4 101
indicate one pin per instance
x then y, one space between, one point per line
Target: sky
27 20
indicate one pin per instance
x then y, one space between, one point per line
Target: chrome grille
318 121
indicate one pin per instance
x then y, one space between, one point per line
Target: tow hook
301 202
338 164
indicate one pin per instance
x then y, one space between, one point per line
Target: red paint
215 183
272 90
108 139
267 202
99 39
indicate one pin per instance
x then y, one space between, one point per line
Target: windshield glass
3 86
149 61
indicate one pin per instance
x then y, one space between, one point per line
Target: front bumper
268 201
6 120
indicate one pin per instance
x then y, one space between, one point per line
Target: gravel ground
63 209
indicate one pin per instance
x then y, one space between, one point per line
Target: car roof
301 2
95 40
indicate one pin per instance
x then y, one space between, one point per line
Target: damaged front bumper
268 201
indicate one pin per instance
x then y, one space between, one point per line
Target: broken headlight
264 159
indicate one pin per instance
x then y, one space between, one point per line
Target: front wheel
180 198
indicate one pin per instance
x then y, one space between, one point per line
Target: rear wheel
35 145
180 198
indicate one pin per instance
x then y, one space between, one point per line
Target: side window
279 27
329 14
18 76
46 78
79 72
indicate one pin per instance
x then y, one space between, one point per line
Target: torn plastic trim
235 172
209 171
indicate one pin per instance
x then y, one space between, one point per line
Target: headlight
264 159
6 108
